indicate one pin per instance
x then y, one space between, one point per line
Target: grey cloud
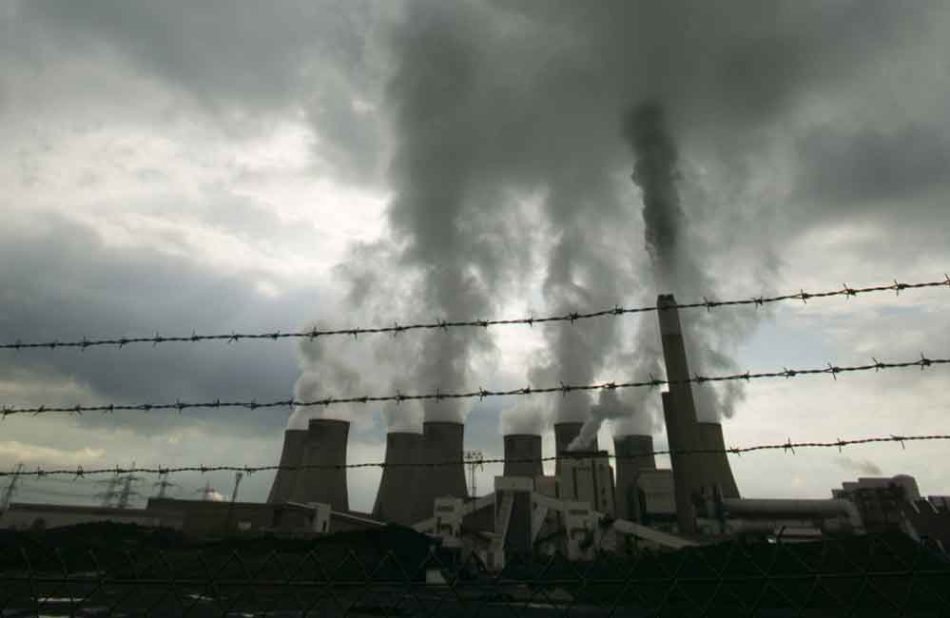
221 49
519 97
64 283
487 103
864 168
239 61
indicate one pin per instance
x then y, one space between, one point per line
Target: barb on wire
442 324
788 446
833 370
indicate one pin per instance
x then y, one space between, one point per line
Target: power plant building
583 509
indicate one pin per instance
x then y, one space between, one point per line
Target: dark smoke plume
655 172
491 102
676 268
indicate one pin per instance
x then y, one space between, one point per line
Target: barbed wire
179 406
570 317
788 447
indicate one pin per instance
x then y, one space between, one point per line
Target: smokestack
394 501
564 434
679 412
693 474
521 446
686 471
290 455
441 442
324 447
634 453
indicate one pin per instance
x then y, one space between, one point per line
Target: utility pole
234 492
237 483
475 460
7 496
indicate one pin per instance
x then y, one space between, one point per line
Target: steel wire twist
441 324
788 447
833 370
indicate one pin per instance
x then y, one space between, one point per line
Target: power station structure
587 506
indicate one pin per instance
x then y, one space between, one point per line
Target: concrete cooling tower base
394 502
322 447
523 455
444 471
290 455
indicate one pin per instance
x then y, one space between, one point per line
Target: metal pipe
793 509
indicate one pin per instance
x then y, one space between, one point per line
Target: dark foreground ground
121 570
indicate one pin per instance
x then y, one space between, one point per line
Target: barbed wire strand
788 447
570 317
179 406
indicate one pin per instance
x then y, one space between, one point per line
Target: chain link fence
396 572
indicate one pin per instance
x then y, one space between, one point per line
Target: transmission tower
127 491
110 493
7 495
163 484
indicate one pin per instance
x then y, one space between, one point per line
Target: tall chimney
325 449
634 453
679 412
564 434
394 500
693 474
518 448
291 454
444 472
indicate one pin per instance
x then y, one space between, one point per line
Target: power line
53 492
481 393
570 317
788 447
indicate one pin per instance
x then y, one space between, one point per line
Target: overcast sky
244 166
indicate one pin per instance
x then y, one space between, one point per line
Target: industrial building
587 506
879 500
887 504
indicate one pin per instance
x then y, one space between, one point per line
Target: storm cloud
169 166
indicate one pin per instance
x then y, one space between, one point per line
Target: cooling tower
394 500
716 464
564 434
325 449
519 447
290 455
442 445
634 453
